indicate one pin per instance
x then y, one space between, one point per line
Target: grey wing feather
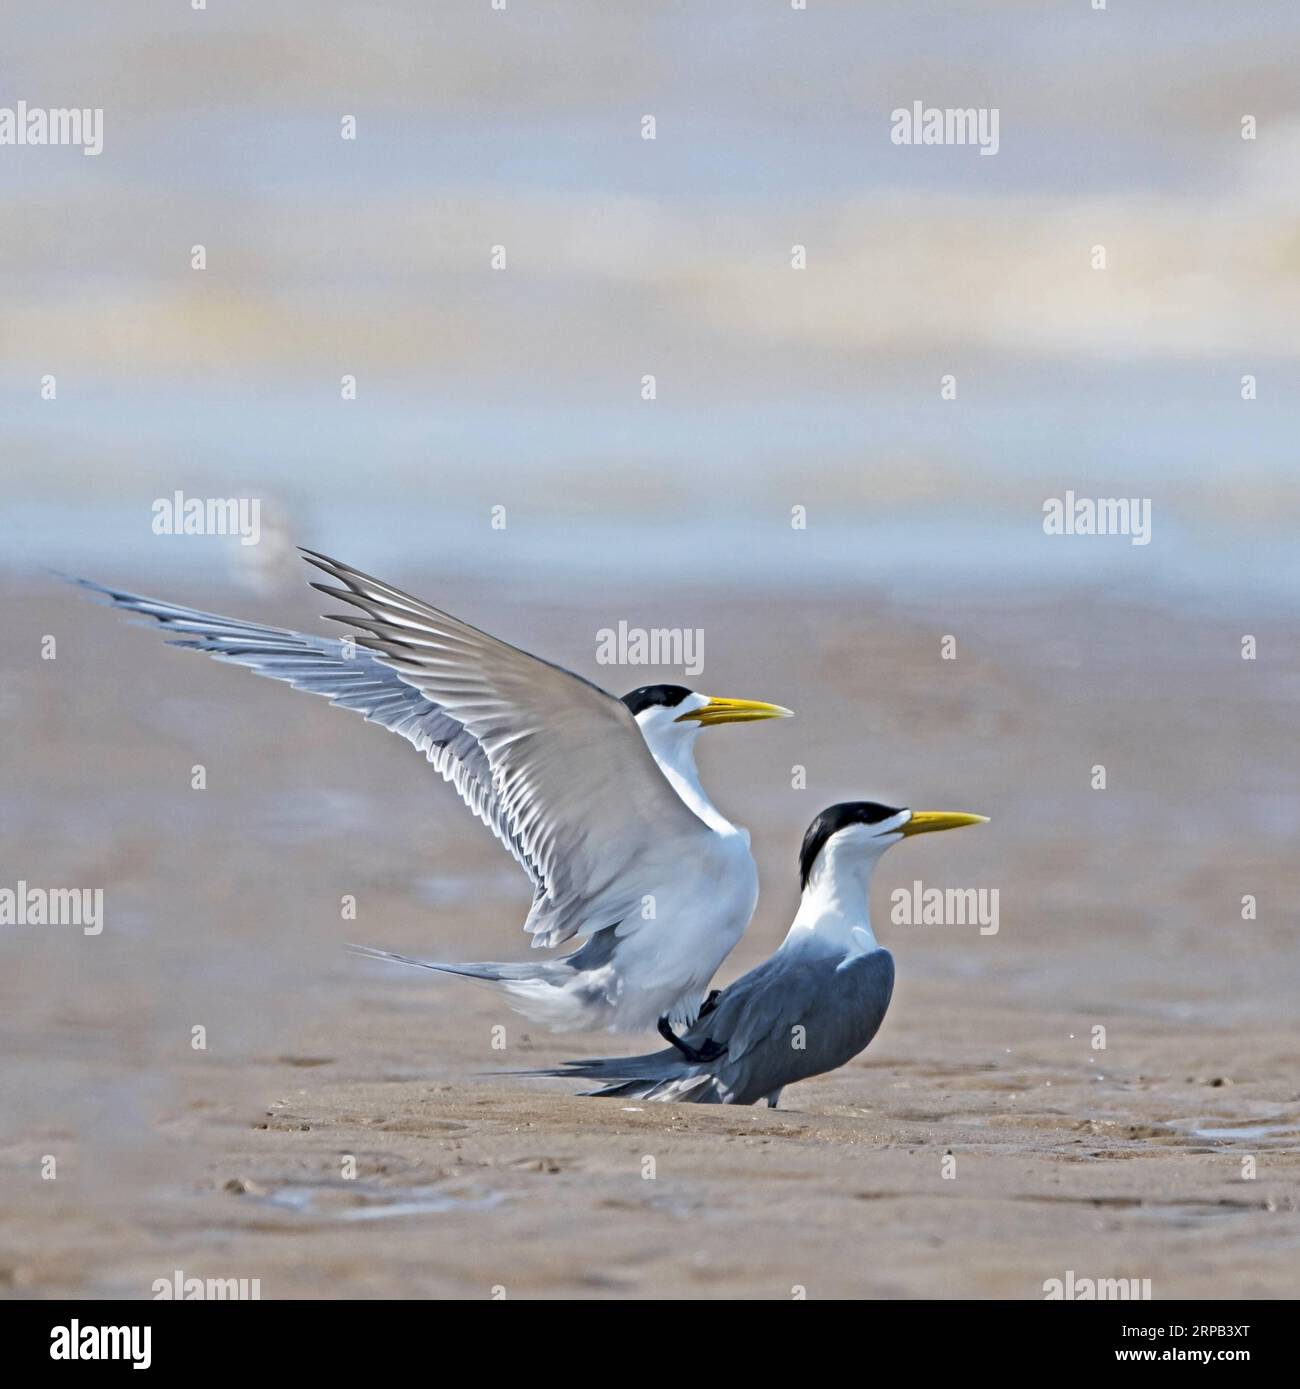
839 1006
348 675
573 782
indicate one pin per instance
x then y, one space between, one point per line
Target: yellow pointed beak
927 821
734 711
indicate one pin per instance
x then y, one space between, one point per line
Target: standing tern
597 798
809 1008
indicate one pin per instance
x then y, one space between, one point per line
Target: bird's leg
707 1052
711 1002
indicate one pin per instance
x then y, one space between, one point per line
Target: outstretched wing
347 675
571 780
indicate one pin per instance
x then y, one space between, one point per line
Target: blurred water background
775 388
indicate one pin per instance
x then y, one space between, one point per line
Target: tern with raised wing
597 798
813 1005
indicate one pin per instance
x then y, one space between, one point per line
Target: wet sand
1119 909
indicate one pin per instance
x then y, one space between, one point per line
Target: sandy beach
1120 909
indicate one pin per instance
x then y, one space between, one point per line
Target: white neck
676 760
835 909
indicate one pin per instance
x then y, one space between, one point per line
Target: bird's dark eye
670 696
833 819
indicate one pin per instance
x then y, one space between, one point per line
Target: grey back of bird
798 1014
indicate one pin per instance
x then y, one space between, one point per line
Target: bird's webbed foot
708 1052
711 1002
